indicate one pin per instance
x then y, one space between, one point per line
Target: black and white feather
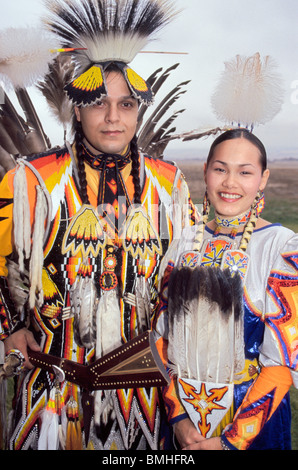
60 73
205 324
106 30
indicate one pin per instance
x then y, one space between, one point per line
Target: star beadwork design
203 403
214 252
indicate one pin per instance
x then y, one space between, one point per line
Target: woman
264 257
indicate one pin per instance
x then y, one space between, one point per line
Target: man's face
110 125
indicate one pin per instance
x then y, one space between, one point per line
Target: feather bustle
52 87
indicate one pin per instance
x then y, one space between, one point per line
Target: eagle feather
205 324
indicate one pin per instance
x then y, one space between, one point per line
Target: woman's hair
238 134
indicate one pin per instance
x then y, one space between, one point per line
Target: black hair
238 134
79 135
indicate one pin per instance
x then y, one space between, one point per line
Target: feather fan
24 55
205 311
249 92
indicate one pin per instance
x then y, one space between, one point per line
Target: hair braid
135 170
250 226
202 225
81 165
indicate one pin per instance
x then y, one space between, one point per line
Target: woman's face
110 125
234 176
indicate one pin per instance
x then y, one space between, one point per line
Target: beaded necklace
231 222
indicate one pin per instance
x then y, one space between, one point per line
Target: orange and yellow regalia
81 245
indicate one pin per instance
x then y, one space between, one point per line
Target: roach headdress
105 32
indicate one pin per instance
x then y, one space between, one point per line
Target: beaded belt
136 364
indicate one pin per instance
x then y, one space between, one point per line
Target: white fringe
36 260
21 216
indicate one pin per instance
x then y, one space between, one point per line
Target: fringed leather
21 216
36 260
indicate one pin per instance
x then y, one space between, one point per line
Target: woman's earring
206 203
259 203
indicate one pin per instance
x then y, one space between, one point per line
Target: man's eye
98 105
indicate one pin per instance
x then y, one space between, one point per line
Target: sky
211 32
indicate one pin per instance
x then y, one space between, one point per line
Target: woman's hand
213 443
21 340
189 437
186 433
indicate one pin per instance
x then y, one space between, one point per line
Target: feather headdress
105 32
249 91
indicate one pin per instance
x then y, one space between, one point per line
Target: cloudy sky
211 32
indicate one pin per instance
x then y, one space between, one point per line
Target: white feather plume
109 47
249 91
24 55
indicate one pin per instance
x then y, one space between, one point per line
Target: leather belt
135 364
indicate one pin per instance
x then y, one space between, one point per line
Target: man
75 216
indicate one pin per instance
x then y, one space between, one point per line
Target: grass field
281 196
